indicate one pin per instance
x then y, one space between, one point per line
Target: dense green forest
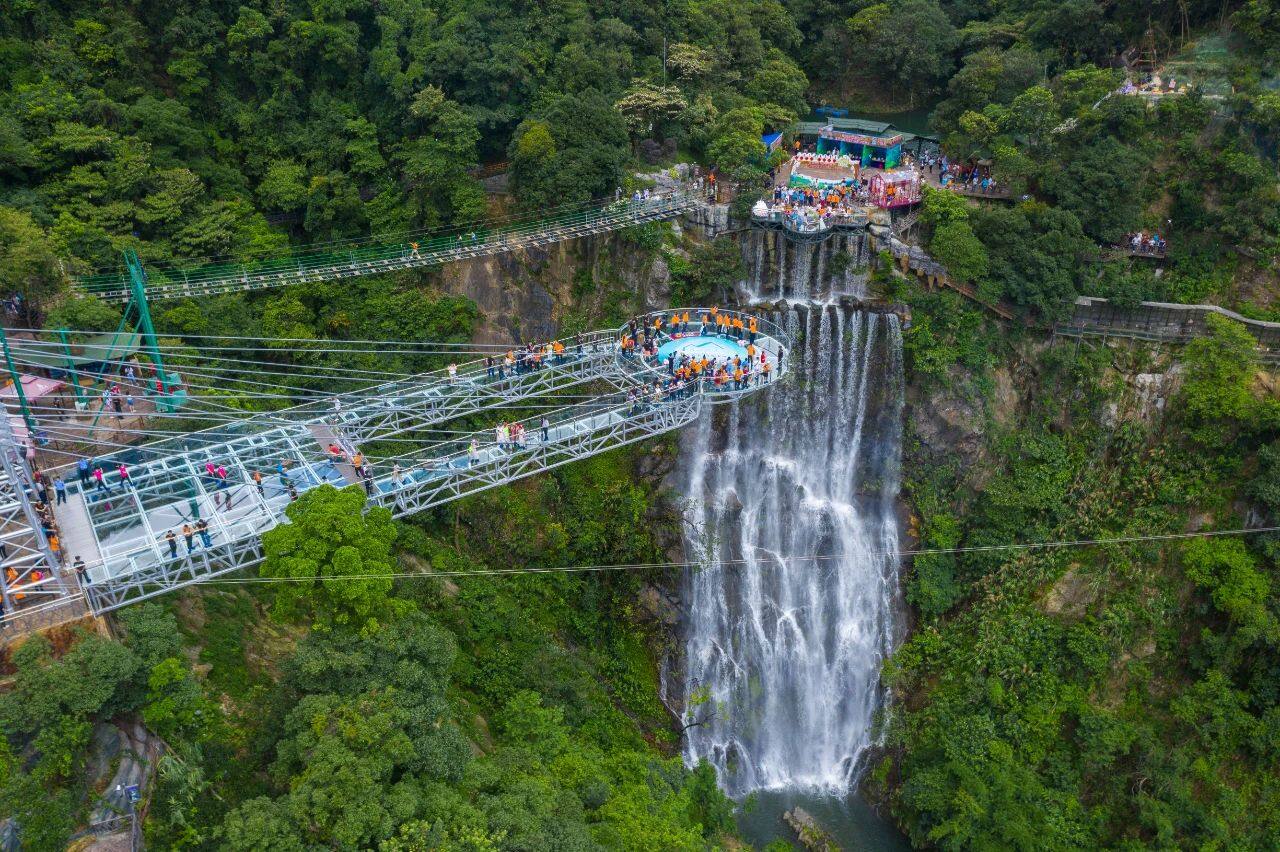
209 129
1120 697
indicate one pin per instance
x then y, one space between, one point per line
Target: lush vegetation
1121 695
478 711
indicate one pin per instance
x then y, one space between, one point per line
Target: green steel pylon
169 396
27 417
73 375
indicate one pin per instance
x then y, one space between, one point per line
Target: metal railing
769 337
135 564
330 265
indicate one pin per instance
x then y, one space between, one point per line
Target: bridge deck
379 259
119 529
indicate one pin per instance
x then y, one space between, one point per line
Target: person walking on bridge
60 491
188 534
100 481
171 540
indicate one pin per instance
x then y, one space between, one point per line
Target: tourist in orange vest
753 327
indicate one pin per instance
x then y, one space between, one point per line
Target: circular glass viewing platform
721 355
807 221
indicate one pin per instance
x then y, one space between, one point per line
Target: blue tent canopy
771 140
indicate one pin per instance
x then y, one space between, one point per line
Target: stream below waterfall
791 507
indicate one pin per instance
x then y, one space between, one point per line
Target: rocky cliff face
539 293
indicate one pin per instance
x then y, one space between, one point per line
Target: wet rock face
946 421
525 295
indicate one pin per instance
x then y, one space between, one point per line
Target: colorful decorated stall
896 188
870 150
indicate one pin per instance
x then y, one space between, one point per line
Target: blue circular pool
720 349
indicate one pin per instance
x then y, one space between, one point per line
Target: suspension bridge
237 479
378 256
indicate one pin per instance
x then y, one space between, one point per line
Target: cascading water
819 272
792 513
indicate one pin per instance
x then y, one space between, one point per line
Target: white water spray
784 650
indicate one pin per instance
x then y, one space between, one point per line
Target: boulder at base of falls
812 836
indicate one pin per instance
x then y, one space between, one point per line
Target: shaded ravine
791 508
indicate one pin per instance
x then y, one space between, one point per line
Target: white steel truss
238 481
32 587
238 544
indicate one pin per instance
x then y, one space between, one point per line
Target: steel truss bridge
120 531
339 262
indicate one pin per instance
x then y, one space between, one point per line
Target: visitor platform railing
125 526
777 217
356 261
769 337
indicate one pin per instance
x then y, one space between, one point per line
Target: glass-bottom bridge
237 481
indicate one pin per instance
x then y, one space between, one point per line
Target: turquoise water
718 348
853 824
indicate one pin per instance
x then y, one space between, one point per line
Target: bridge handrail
767 331
163 280
445 455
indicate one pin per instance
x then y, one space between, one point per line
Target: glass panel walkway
335 263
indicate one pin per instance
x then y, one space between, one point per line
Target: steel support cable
268 420
208 372
834 557
239 415
179 353
338 372
476 365
412 347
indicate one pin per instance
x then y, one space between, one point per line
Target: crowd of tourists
686 372
814 208
524 359
1144 243
974 178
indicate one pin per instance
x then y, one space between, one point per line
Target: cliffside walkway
376 256
1162 322
120 531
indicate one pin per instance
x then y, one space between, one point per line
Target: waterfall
804 272
792 517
